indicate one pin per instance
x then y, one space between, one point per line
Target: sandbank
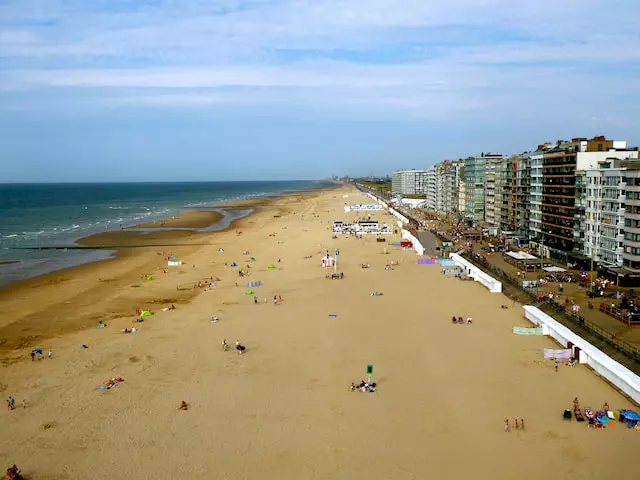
187 219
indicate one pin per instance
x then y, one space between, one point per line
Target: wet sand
283 409
188 219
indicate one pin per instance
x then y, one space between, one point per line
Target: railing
619 314
577 323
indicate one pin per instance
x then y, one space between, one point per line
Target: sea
35 217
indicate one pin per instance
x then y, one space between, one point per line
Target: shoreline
91 249
129 257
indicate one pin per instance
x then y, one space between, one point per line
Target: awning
553 269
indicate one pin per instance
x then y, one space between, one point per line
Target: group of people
460 320
11 403
14 473
363 387
519 425
239 347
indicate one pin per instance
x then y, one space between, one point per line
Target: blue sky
109 90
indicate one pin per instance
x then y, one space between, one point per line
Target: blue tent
630 415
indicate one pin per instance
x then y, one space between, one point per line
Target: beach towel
527 331
332 315
38 351
557 354
426 261
272 266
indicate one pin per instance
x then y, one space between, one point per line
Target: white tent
554 269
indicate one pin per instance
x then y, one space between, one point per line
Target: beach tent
249 292
256 283
145 313
148 278
253 259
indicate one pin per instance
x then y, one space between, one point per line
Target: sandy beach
283 409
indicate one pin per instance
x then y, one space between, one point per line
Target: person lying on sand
504 306
240 348
455 320
183 406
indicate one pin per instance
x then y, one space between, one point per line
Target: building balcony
631 257
632 243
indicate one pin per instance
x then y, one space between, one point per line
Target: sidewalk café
620 276
523 261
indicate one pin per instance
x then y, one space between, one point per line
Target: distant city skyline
302 89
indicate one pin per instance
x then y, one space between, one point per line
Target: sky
137 90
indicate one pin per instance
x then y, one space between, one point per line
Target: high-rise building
558 226
430 189
409 182
447 174
475 179
605 208
523 194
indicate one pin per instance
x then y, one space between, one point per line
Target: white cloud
445 57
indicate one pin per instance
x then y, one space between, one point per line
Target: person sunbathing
455 320
183 406
240 348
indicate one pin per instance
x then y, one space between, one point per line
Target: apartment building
447 174
430 189
475 180
523 194
606 199
631 242
409 182
558 191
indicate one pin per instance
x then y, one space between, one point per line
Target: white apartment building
535 193
410 182
605 201
430 189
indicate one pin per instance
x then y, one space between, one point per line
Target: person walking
506 424
255 299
